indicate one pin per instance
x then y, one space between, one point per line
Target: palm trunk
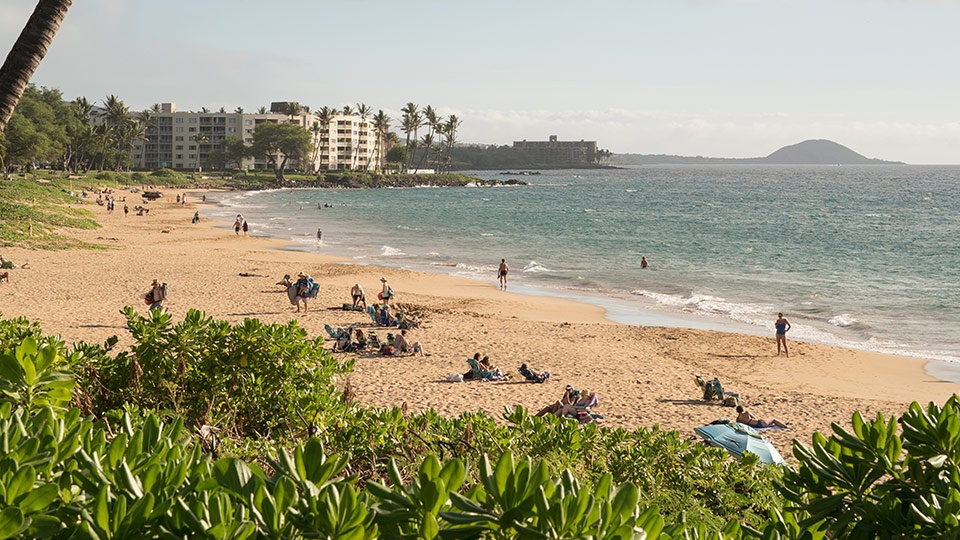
27 52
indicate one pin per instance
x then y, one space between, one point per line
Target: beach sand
644 375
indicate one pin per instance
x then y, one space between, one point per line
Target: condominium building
554 152
185 139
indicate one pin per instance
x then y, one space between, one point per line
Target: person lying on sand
745 417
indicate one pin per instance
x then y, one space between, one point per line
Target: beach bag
163 291
314 290
148 298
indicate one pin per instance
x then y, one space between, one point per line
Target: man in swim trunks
502 273
782 325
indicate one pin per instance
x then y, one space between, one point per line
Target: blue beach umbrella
740 438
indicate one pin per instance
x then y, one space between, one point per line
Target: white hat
383 279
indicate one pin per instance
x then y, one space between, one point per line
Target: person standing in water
782 325
643 262
319 235
502 273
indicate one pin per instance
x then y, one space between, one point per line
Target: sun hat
383 279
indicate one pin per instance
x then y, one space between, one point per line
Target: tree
279 143
35 132
363 110
324 116
199 138
234 150
409 124
449 131
27 52
381 125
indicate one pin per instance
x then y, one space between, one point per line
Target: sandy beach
644 375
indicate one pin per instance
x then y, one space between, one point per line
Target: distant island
811 152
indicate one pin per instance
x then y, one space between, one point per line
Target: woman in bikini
745 417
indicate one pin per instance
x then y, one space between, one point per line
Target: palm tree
27 52
238 110
324 116
449 131
199 138
381 125
262 110
315 131
117 120
363 111
409 125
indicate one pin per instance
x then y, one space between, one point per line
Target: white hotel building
348 143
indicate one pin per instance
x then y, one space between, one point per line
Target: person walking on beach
502 273
157 295
386 295
304 286
245 227
238 224
782 325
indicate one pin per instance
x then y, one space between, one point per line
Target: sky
716 78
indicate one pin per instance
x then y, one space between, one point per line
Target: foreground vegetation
205 429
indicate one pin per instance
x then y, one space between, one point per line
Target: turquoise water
861 257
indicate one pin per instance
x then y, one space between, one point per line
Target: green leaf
39 498
22 482
11 521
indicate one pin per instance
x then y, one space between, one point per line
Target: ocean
863 257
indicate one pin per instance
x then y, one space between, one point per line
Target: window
179 137
193 129
179 156
193 147
179 147
193 120
179 120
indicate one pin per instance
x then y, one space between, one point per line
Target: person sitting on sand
533 375
486 365
401 344
569 396
745 417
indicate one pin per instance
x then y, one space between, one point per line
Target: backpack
314 290
163 291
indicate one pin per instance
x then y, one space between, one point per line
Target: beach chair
373 341
531 375
334 334
372 312
361 340
714 390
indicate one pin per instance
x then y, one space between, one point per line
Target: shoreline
643 374
629 297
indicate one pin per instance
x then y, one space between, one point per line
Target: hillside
810 152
